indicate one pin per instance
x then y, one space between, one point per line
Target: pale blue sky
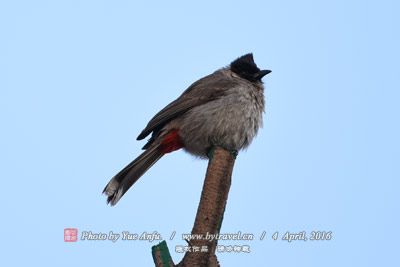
80 79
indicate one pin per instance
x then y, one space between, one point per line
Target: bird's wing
204 90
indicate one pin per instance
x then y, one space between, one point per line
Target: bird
222 109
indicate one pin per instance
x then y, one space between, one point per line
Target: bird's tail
123 180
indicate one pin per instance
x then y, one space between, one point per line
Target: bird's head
246 68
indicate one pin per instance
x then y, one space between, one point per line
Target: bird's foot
210 153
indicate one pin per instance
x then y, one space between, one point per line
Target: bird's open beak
261 74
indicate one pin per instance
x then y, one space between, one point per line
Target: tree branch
209 213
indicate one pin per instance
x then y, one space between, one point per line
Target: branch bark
209 213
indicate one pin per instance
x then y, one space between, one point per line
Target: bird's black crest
245 66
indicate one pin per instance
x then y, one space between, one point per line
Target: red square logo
70 235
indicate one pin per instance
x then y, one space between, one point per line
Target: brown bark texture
209 214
